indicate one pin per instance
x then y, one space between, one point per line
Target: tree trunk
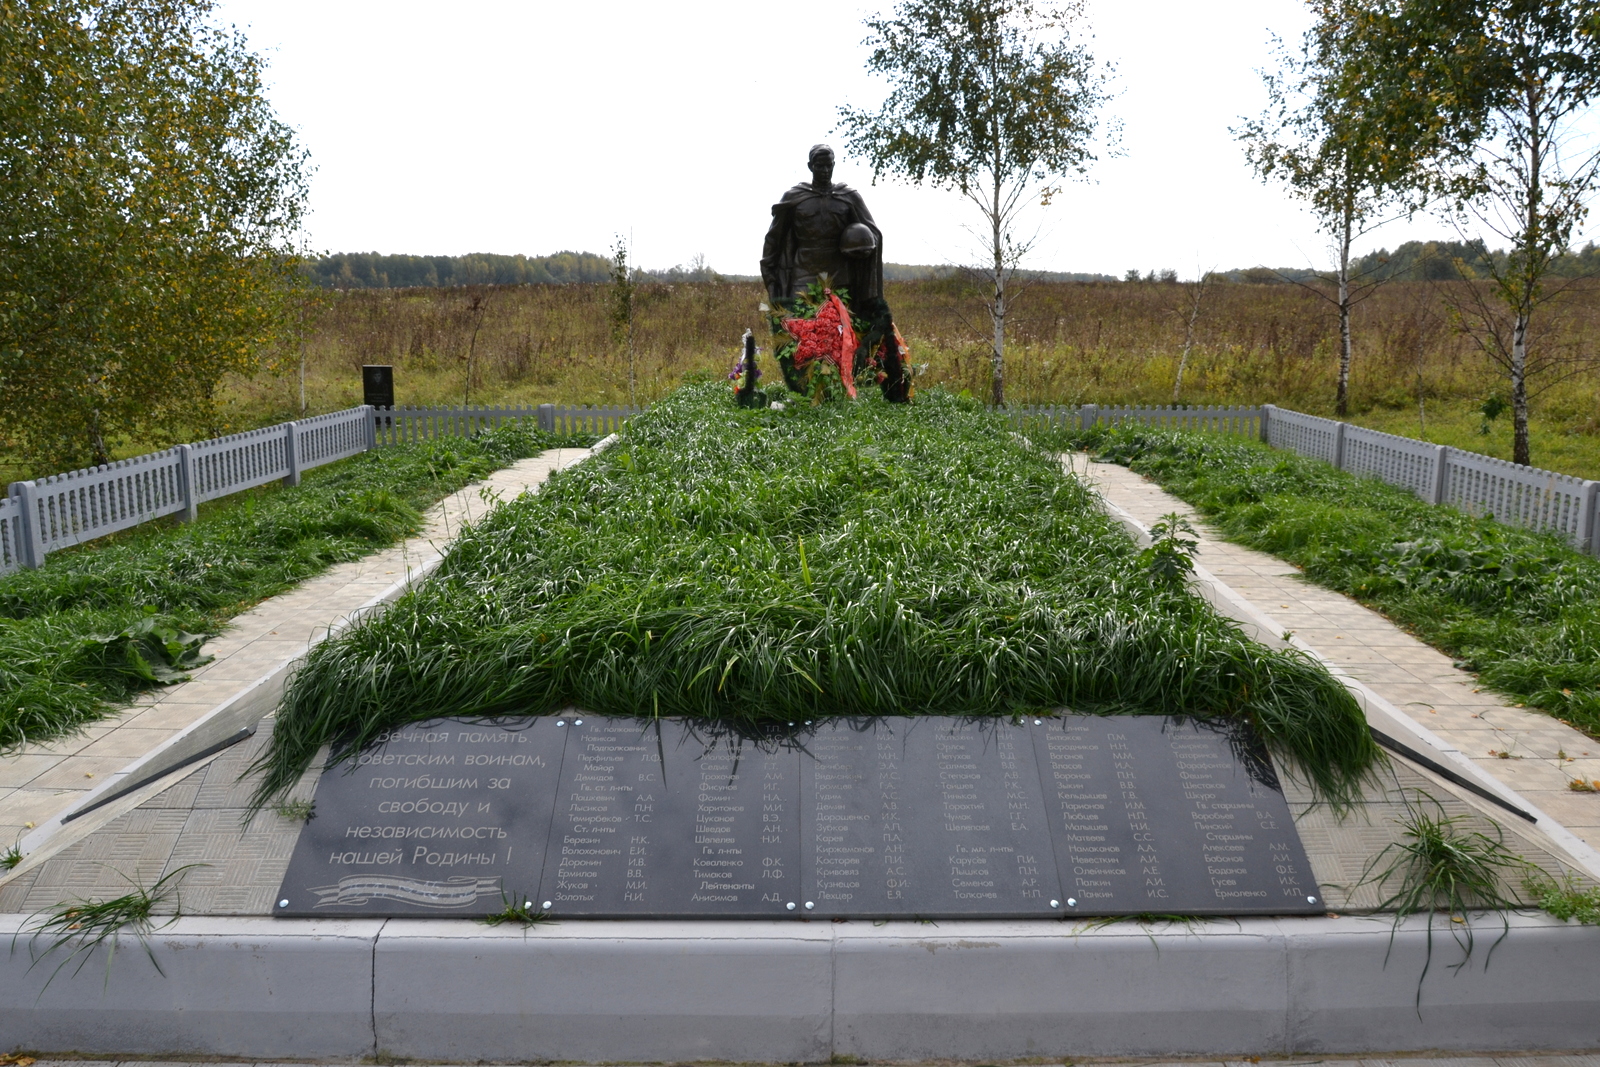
1520 452
1341 403
97 441
997 311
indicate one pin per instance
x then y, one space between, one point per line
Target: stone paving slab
1544 753
40 782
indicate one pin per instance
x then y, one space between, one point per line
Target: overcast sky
497 126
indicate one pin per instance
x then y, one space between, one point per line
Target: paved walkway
38 782
1542 754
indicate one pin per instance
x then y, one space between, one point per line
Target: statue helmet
858 240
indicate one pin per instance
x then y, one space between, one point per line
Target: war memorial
1121 875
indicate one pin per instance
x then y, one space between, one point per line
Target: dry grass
1070 343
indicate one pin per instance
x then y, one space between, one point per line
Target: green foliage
1438 867
985 91
1489 99
517 912
148 202
1565 899
945 569
1521 609
1170 557
98 624
79 928
12 856
990 98
295 810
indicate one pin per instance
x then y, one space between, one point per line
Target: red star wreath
829 337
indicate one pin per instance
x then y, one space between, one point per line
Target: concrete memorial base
787 991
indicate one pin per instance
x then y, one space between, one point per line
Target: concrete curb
448 990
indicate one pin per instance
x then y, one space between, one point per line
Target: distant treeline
1412 261
370 270
1420 261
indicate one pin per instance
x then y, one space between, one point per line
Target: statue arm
773 249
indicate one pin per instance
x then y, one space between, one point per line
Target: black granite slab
660 819
924 817
589 816
438 819
1160 815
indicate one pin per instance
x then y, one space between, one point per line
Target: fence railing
1478 485
394 425
49 514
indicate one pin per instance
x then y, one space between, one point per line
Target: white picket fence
1478 485
394 425
43 516
56 512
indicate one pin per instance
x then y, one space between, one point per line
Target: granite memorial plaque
931 817
655 818
438 818
928 817
1170 816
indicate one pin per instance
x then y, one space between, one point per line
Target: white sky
497 126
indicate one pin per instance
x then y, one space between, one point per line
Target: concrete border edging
450 990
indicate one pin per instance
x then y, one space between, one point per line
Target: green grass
1521 609
760 567
1566 899
1439 866
79 928
102 622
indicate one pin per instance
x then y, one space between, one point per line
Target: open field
1069 343
1111 342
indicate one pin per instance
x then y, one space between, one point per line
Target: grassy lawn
759 568
108 619
1520 609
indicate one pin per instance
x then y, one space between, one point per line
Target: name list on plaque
590 816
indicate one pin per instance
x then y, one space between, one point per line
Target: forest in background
1108 342
1411 261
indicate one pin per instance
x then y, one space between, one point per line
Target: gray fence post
291 452
1088 415
30 553
1589 519
1441 458
1266 421
1338 445
372 426
547 418
191 490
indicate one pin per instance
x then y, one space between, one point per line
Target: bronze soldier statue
822 230
818 229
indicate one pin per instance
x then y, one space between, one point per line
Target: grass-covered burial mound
759 566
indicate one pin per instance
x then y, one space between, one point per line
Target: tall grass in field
1097 342
761 567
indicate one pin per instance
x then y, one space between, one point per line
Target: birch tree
991 98
1511 85
148 203
1320 138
